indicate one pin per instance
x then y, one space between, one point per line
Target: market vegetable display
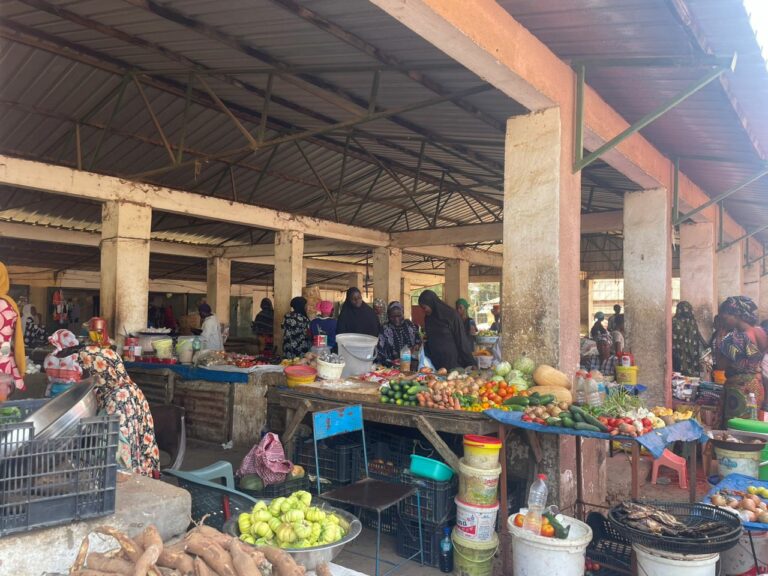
291 522
204 551
551 527
750 505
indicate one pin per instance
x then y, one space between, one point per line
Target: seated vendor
396 334
325 323
607 357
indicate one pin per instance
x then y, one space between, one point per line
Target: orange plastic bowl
299 375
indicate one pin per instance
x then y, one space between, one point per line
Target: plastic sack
424 361
267 461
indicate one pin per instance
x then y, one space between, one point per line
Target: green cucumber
534 400
546 399
577 416
516 408
552 421
586 427
567 421
561 532
518 400
589 419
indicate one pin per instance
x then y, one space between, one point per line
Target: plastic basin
429 468
299 375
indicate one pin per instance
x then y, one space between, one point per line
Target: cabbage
519 383
497 378
502 368
524 364
513 375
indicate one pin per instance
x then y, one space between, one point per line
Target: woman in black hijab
263 325
356 317
447 343
296 329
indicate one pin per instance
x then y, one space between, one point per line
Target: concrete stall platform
140 501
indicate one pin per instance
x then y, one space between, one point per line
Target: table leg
579 509
635 470
506 551
692 463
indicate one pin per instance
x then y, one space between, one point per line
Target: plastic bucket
329 370
756 429
481 451
626 375
534 555
473 558
163 348
652 562
733 462
476 523
358 351
478 486
738 561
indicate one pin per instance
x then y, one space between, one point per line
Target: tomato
547 530
519 518
525 418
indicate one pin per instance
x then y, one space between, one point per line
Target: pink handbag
267 460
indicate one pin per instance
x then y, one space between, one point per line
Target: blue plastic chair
219 502
368 493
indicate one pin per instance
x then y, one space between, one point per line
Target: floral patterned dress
295 335
8 318
118 394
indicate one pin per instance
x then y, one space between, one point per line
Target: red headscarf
99 325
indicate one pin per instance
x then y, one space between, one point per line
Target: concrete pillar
405 297
125 232
763 302
38 297
540 275
698 271
585 303
752 282
648 288
456 281
356 280
387 264
289 258
730 272
219 279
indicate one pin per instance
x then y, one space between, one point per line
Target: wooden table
315 397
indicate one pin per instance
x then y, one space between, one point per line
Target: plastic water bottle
752 406
446 552
593 391
537 501
580 397
405 359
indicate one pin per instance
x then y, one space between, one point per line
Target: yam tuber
242 561
147 560
282 562
91 572
214 555
81 555
151 536
217 536
104 563
132 550
176 557
201 568
323 570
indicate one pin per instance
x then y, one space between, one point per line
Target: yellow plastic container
626 375
481 451
473 558
299 375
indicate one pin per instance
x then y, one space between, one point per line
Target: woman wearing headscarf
396 334
296 329
597 327
325 324
263 326
211 337
687 342
447 343
12 352
462 309
743 348
356 317
380 307
118 394
62 366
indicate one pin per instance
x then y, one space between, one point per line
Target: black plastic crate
369 519
336 456
437 499
25 408
408 540
283 489
45 483
383 463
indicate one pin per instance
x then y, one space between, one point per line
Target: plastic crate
336 456
369 519
25 407
283 489
383 463
437 499
45 483
408 540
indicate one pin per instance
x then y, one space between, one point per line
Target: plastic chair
675 462
218 502
171 433
368 494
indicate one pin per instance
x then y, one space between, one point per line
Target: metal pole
726 194
648 118
676 192
720 218
265 109
578 144
744 237
184 118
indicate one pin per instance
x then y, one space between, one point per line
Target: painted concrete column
751 275
456 280
125 230
356 280
585 302
698 271
763 302
405 297
540 276
219 282
289 270
38 297
730 272
648 288
387 264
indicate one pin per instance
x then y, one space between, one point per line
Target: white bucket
477 486
738 560
358 351
476 523
652 562
534 555
737 462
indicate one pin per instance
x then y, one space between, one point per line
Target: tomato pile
627 426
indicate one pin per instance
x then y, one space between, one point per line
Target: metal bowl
64 411
486 340
312 557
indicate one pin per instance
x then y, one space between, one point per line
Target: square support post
125 230
648 288
405 297
387 263
218 274
698 271
289 271
730 272
456 281
752 281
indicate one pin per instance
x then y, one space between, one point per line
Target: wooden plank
535 444
249 412
293 421
431 434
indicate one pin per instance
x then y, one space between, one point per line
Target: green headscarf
463 302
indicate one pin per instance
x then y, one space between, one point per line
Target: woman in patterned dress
118 394
12 354
296 329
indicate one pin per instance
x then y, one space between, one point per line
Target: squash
547 376
561 394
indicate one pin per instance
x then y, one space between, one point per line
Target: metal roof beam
727 245
720 197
